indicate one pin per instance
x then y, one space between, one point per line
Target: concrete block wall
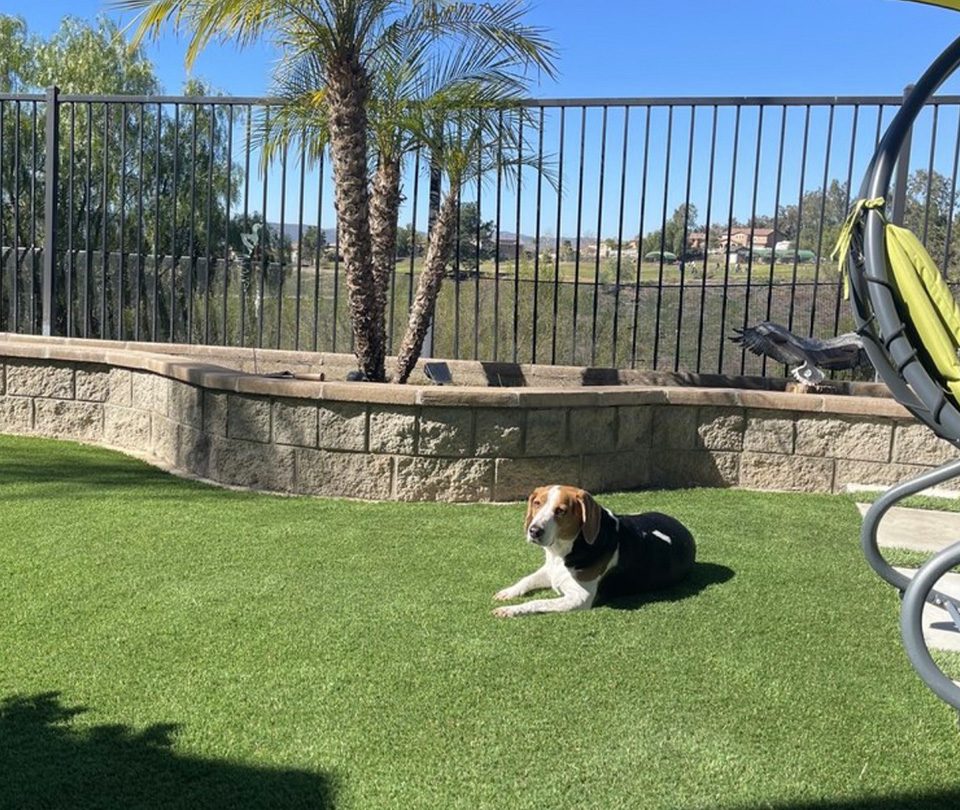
471 443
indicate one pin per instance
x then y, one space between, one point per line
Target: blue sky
647 47
643 48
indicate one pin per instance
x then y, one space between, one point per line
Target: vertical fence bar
226 224
52 184
823 212
191 274
933 151
105 235
556 257
516 256
623 188
174 258
316 258
265 241
479 247
898 205
123 208
683 243
663 234
303 179
640 256
71 207
246 278
536 244
157 229
33 220
576 258
846 207
776 222
284 154
496 245
752 234
208 247
596 265
721 338
87 205
796 254
140 265
15 272
706 239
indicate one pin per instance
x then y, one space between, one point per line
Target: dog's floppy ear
531 510
589 515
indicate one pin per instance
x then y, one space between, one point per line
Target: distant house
697 242
741 238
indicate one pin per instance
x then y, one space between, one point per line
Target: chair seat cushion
927 306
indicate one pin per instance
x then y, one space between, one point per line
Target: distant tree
312 243
467 244
682 222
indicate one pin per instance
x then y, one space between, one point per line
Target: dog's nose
535 531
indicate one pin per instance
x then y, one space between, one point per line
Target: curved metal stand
918 593
888 342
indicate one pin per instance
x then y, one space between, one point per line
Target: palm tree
353 72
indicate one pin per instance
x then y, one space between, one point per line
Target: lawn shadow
944 799
47 763
703 576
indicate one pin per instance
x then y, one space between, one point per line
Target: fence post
52 180
899 203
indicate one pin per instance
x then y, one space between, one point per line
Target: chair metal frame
887 341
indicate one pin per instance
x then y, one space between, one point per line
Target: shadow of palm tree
44 762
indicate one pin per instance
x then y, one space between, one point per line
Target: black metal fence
639 232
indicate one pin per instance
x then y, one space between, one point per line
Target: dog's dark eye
560 510
536 503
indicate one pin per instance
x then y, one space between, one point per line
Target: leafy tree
467 246
362 76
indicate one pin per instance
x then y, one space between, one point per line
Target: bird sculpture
809 357
252 239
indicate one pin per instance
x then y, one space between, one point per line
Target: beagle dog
591 551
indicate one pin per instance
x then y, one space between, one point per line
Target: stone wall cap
202 372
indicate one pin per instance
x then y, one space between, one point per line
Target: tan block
393 430
252 464
104 385
593 430
768 432
636 426
517 478
343 426
149 392
16 414
126 427
184 404
674 427
847 437
721 428
215 413
608 472
445 432
442 479
45 379
917 444
164 438
695 468
193 451
774 471
869 473
345 475
547 432
294 423
68 419
499 432
248 418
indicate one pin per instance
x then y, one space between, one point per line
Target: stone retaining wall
379 441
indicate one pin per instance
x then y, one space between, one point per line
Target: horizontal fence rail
608 232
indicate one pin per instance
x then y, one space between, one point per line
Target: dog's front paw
505 594
507 611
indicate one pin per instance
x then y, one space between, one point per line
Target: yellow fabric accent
928 307
842 247
954 4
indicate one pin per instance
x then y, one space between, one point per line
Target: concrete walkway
927 531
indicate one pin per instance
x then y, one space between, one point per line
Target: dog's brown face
559 513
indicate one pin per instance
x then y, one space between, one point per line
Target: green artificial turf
168 644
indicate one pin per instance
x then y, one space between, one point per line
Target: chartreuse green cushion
927 304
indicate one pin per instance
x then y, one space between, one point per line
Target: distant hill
292 230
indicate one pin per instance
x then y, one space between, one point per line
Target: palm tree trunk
347 92
439 251
384 210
